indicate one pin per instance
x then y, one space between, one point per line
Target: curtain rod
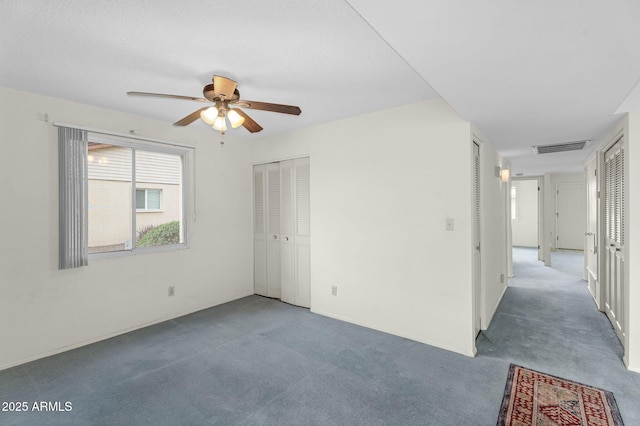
122 135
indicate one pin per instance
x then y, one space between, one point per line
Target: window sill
148 211
138 251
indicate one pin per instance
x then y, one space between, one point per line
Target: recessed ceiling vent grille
560 147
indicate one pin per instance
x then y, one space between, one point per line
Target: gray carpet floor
257 361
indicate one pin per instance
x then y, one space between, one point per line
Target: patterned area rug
534 398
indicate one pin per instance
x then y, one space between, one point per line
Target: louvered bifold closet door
608 204
273 230
614 237
282 231
259 230
287 224
620 292
295 228
302 190
619 194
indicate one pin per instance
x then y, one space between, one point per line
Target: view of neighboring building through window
118 177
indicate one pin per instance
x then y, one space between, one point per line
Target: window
148 199
136 196
514 202
98 183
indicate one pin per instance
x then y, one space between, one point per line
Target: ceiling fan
226 98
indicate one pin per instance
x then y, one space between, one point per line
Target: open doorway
525 217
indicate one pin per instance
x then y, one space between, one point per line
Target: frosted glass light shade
209 115
235 118
220 124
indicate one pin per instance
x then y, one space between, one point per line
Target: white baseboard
487 323
82 343
470 353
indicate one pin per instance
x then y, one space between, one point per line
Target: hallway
548 321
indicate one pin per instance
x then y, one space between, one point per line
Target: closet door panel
259 230
273 230
302 209
303 275
287 225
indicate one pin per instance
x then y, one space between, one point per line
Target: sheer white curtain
72 173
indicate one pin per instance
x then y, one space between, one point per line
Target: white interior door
477 259
273 230
570 216
540 221
259 230
614 295
591 235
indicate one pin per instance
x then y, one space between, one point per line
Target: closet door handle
275 237
286 238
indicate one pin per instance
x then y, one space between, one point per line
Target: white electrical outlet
334 290
172 291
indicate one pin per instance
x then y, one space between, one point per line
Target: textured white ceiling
319 55
525 73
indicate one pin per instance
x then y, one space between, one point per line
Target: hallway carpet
257 361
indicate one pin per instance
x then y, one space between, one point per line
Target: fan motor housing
209 92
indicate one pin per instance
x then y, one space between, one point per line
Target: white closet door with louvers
273 230
614 280
302 296
286 257
287 245
260 229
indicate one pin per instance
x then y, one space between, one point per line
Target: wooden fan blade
223 86
189 118
265 106
162 95
249 123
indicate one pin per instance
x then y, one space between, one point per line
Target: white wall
525 225
45 310
382 185
380 195
493 231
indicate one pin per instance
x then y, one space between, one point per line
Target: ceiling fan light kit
223 93
235 119
209 115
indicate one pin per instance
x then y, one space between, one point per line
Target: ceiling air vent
560 147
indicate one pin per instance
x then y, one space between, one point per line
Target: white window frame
134 145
